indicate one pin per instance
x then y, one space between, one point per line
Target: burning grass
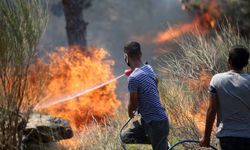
204 21
72 70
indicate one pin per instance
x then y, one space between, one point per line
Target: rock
45 128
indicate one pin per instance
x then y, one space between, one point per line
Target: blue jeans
154 133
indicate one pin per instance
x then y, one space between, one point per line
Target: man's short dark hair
133 49
239 56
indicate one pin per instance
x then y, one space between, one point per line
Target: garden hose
171 148
120 134
189 141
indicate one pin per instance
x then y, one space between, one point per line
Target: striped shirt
143 81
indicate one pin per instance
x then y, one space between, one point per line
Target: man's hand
205 142
127 72
131 114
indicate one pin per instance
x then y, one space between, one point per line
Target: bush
21 26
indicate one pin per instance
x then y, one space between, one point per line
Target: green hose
171 148
188 141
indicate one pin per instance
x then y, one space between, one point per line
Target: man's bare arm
133 102
210 118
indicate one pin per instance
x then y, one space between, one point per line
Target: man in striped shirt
144 97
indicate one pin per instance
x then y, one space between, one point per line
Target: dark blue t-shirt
143 81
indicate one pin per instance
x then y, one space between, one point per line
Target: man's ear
125 55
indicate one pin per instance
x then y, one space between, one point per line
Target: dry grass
185 77
201 52
103 136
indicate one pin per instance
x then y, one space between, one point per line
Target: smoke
114 22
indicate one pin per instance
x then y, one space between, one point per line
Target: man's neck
237 70
136 64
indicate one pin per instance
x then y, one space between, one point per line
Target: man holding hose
144 97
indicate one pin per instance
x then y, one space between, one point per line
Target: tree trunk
75 24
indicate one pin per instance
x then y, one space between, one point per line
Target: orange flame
203 22
174 32
201 83
71 70
199 86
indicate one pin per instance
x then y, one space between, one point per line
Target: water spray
46 103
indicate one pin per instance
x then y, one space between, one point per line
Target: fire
203 22
200 85
72 70
200 117
174 32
